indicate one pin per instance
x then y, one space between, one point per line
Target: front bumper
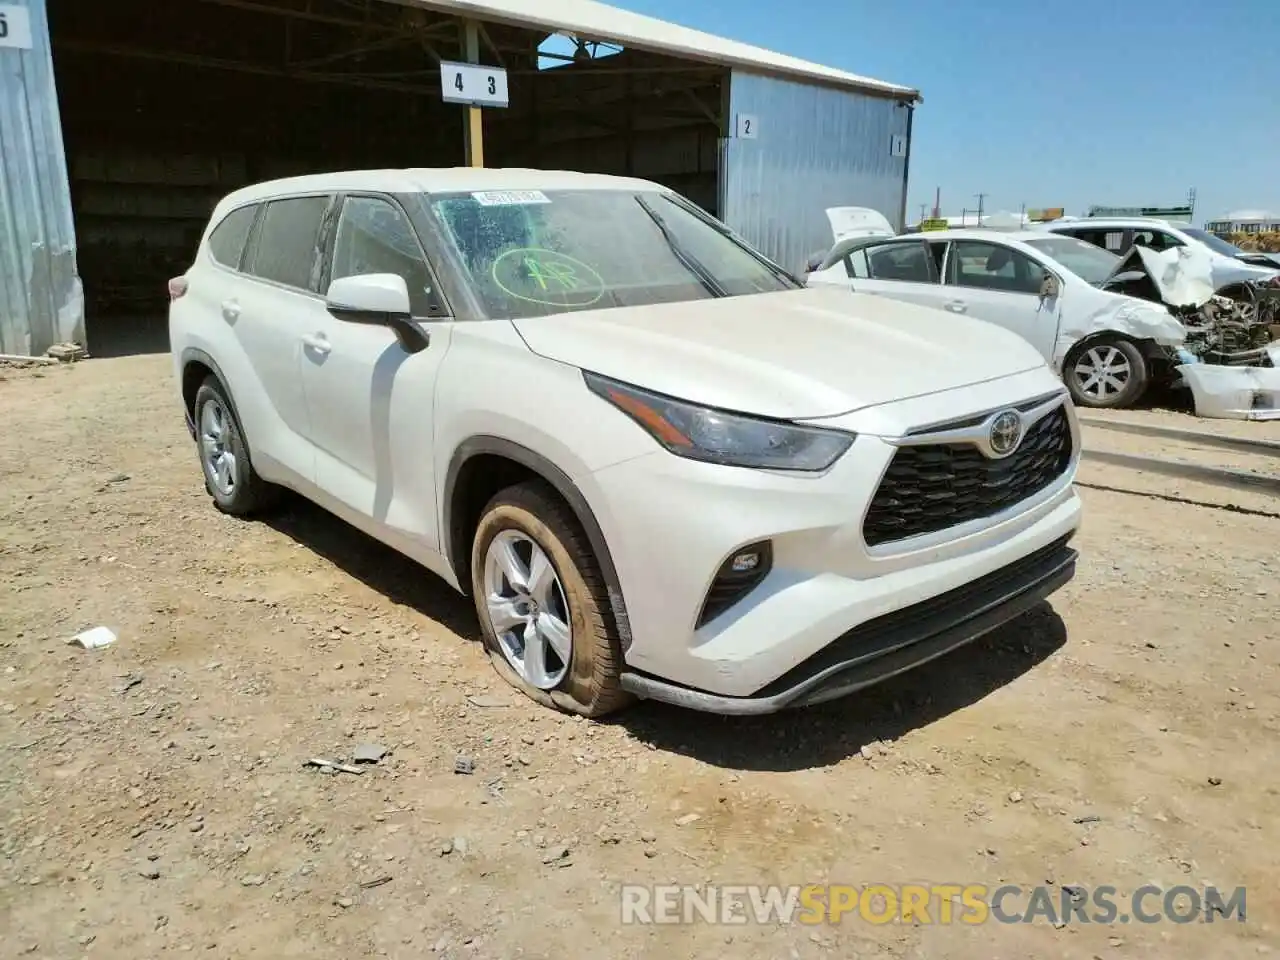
671 524
890 644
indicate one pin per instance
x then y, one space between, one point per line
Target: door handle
956 306
317 343
230 309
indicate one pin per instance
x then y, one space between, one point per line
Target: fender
479 445
196 355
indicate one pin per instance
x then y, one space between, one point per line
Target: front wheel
543 606
1106 374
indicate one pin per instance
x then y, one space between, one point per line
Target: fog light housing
740 573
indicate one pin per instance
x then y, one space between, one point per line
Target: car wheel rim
215 448
527 610
1102 373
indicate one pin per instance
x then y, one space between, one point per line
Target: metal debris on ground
128 682
376 881
485 700
368 753
332 766
464 764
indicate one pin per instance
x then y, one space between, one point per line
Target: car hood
799 354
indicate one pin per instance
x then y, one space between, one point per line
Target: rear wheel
1107 374
543 606
229 476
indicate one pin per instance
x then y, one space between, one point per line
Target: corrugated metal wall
41 300
814 148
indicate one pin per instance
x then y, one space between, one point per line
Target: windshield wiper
690 262
780 272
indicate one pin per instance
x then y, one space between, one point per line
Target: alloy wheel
525 602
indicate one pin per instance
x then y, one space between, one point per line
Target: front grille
933 487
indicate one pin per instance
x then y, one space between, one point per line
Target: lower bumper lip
889 645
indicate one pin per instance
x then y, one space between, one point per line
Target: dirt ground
154 799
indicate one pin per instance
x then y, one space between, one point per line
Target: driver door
371 401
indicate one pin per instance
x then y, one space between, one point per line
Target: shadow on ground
823 735
374 564
791 740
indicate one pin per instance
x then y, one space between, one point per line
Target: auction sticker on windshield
506 198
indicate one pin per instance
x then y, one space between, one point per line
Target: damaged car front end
1230 358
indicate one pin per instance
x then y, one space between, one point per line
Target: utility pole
981 197
923 206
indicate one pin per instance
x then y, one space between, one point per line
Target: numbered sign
748 126
897 146
15 27
473 85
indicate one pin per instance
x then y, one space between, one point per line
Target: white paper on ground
95 638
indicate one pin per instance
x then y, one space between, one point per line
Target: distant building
1245 221
1182 214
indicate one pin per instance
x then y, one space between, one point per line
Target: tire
1113 354
247 493
520 519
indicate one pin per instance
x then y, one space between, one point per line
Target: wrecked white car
1230 359
1107 346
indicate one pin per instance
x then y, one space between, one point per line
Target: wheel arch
1147 346
461 512
197 366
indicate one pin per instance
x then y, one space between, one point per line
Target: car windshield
530 253
1089 263
1213 242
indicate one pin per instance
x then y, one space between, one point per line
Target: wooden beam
474 129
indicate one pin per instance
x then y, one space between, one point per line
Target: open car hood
802 354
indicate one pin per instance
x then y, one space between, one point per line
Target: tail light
177 287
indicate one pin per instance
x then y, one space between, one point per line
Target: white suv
660 466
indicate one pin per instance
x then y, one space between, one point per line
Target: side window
286 246
990 266
1112 240
226 242
909 262
856 264
374 236
1164 241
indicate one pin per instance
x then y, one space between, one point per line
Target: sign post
475 86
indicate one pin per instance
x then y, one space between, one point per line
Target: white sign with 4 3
473 84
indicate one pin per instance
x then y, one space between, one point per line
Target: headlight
704 433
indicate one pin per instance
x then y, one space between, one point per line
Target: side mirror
381 299
1050 286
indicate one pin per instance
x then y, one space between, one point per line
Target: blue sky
1123 102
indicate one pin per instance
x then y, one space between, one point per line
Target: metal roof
598 21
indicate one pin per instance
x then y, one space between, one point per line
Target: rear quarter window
226 242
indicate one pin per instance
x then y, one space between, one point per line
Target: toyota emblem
1006 433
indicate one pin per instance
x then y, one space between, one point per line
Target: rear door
903 269
991 281
275 310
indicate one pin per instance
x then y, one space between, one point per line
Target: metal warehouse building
121 124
